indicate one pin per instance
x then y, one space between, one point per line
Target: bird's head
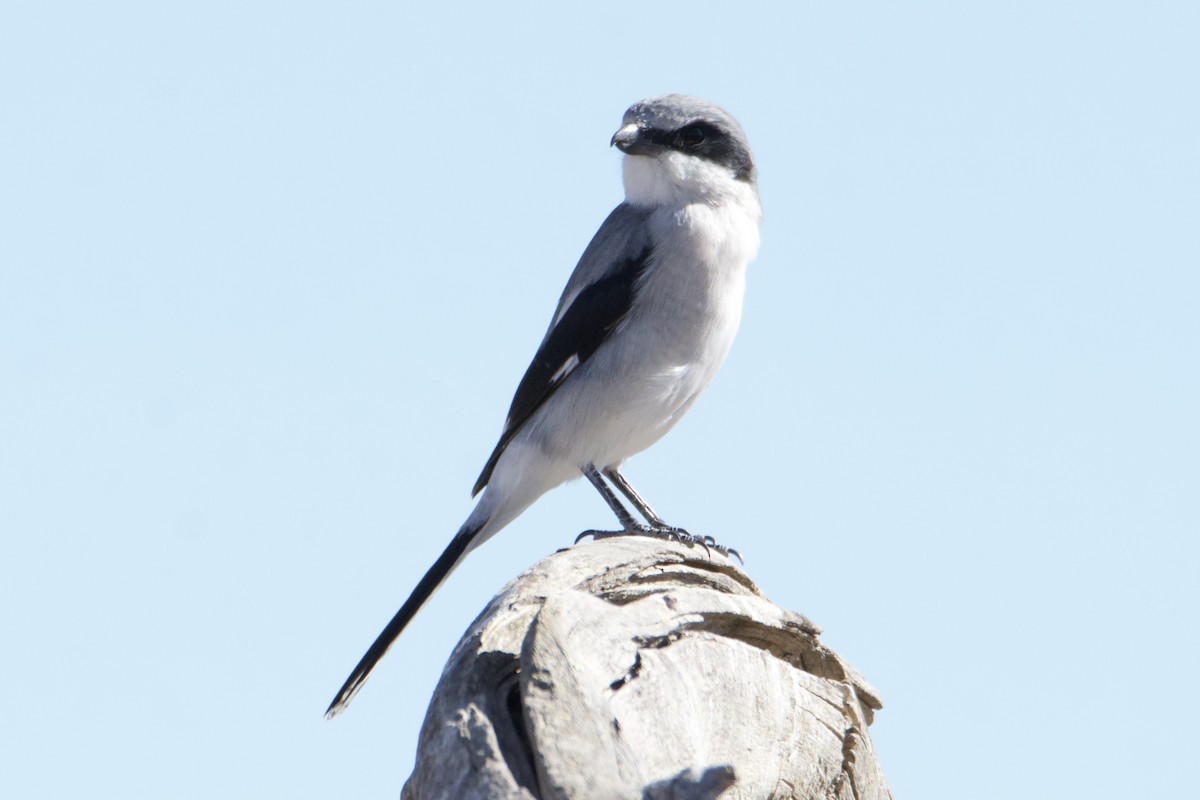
681 148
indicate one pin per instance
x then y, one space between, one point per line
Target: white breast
675 338
693 296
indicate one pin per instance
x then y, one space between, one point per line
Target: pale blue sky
269 274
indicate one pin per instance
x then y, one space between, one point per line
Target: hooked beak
631 141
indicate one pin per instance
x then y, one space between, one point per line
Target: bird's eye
693 137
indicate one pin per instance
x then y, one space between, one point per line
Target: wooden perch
634 668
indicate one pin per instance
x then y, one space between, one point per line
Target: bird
645 321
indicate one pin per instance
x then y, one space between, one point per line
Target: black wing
589 319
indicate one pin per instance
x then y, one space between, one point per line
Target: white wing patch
566 369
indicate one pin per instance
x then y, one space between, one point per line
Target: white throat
674 179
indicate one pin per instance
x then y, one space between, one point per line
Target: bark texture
634 668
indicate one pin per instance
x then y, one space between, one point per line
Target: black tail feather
444 565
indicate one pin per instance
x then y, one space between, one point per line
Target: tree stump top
632 667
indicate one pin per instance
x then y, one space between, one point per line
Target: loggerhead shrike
646 320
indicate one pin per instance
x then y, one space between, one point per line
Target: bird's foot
707 542
634 530
668 532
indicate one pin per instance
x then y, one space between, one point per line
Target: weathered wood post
634 668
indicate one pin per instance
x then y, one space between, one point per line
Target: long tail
447 561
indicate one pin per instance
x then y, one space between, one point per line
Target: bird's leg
657 522
628 523
639 503
658 528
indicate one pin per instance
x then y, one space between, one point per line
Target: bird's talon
670 534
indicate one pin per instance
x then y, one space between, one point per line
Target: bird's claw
683 537
636 530
668 532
